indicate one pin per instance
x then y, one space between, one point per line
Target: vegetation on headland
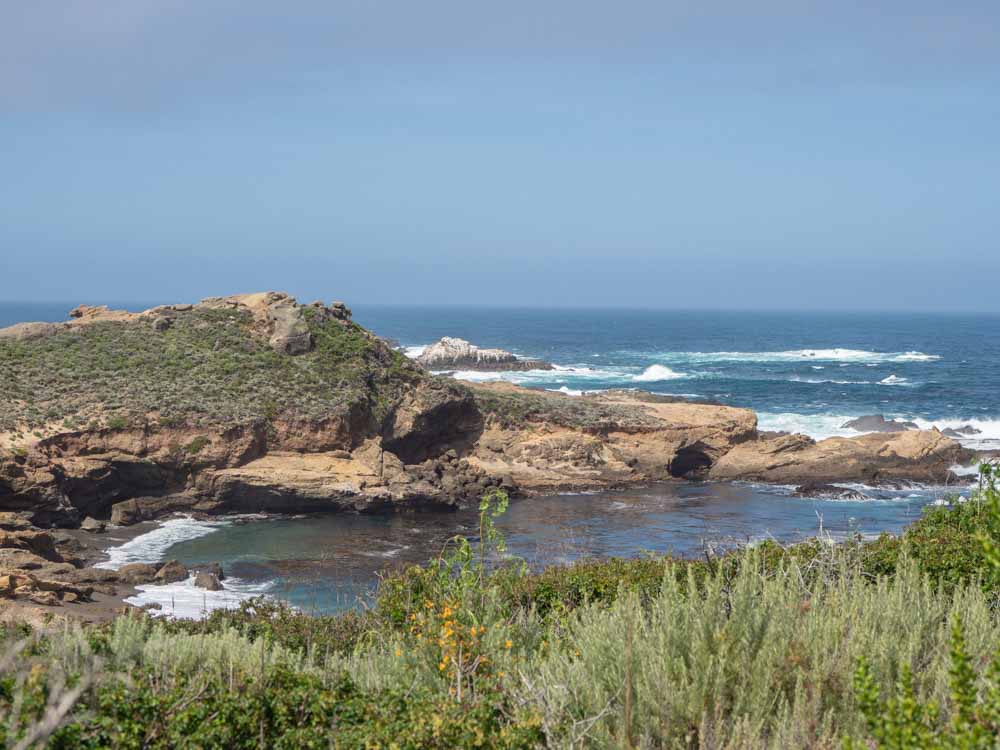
890 643
207 368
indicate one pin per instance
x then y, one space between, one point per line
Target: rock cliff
257 403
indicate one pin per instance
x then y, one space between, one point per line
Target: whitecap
657 373
817 381
988 437
153 545
817 426
558 374
894 380
797 355
414 351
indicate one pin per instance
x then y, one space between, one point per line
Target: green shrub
890 644
117 423
195 446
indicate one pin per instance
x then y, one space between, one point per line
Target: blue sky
716 154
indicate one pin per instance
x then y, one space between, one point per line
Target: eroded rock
878 423
170 572
919 455
137 573
458 354
207 581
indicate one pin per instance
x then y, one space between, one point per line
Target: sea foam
186 601
657 373
153 545
821 426
894 380
798 355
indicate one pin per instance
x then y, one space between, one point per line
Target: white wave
657 373
186 601
568 391
893 380
817 426
817 381
817 367
557 375
821 426
798 355
153 545
987 438
414 351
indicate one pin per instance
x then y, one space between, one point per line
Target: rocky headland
256 403
458 354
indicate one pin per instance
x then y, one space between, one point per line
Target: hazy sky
695 153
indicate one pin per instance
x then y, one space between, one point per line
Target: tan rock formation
919 455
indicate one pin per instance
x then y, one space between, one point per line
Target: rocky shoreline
254 403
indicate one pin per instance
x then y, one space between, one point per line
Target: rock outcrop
878 423
211 414
918 455
458 354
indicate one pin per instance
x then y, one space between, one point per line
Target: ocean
803 372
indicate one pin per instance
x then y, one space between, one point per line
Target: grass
208 368
889 643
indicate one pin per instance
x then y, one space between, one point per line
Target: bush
890 644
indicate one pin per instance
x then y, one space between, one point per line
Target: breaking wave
186 601
821 426
894 380
153 545
798 355
657 373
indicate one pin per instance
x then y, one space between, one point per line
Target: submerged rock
829 491
878 423
458 354
959 432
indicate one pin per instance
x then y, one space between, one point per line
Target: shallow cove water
324 563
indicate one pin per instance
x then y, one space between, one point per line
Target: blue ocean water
802 372
805 372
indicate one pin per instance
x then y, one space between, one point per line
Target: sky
779 154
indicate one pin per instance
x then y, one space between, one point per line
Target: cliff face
255 402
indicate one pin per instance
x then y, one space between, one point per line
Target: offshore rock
878 423
458 354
